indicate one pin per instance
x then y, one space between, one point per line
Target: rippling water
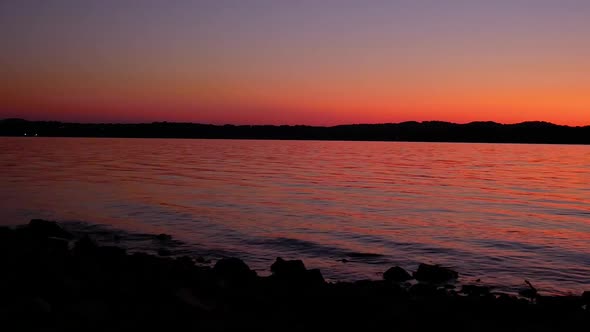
501 213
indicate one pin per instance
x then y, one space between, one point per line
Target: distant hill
427 131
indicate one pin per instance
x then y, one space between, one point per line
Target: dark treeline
429 131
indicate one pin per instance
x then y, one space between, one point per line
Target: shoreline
528 132
336 264
57 281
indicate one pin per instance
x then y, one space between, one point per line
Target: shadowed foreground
51 280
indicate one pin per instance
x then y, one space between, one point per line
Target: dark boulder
57 245
164 237
294 272
111 254
315 277
288 269
423 290
185 260
7 237
434 273
43 229
233 269
164 252
396 274
85 246
475 290
6 233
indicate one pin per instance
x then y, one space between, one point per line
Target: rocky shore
51 280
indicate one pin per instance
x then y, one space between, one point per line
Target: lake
501 213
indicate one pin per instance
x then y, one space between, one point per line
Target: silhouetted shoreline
56 280
428 131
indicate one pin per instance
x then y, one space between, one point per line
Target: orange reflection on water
497 212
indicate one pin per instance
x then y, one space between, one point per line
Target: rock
423 290
164 237
6 233
288 269
315 277
294 272
396 274
44 229
233 269
475 290
562 303
111 254
586 297
185 260
7 239
85 246
187 297
38 306
164 252
434 273
58 245
90 311
202 260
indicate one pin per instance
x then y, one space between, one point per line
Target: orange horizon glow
307 63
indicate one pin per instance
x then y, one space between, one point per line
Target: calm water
501 213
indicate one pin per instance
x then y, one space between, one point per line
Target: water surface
498 212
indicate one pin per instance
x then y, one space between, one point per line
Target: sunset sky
320 62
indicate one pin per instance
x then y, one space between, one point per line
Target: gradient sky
319 62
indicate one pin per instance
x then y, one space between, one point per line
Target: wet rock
315 277
38 306
294 272
185 260
111 254
164 252
163 237
6 233
396 274
90 311
7 239
289 269
43 229
475 290
233 269
434 273
561 303
423 290
187 297
57 245
85 246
